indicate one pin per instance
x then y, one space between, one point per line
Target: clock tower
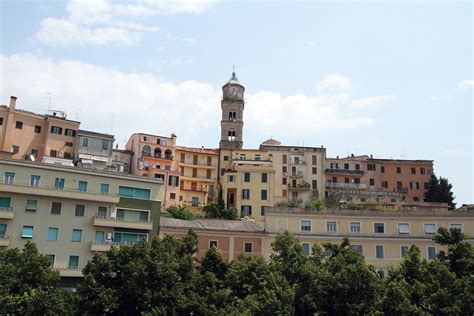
232 106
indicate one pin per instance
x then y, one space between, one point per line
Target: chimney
12 102
371 156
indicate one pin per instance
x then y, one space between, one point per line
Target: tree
28 285
180 212
460 256
214 210
440 190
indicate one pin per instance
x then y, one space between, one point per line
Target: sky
392 79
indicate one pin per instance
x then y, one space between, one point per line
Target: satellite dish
32 157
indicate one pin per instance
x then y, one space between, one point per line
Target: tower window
231 136
232 116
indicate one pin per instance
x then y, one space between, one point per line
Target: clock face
234 93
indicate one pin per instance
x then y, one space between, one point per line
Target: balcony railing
108 221
299 186
105 245
297 162
191 204
199 163
345 185
298 174
345 171
4 241
193 188
401 190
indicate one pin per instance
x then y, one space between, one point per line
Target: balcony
302 186
194 188
198 164
345 171
191 204
297 162
250 160
104 246
69 271
191 177
401 190
298 174
337 185
118 222
6 213
4 241
65 193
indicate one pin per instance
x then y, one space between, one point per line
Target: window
430 228
422 171
172 181
403 228
331 227
382 169
56 208
399 184
52 233
68 144
247 177
76 235
35 181
284 180
15 149
67 155
245 194
208 173
357 248
59 183
56 130
315 184
456 226
213 243
385 184
34 152
99 236
226 158
73 262
3 230
305 225
281 224
246 210
306 248
138 193
9 177
31 205
5 202
19 125
70 132
52 259
314 170
37 129
248 247
399 170
195 172
284 157
431 252
102 212
263 195
354 227
379 252
27 232
1 120
53 153
372 182
80 209
195 201
231 178
413 170
379 228
371 167
173 196
82 186
264 177
262 210
85 142
104 188
105 145
403 251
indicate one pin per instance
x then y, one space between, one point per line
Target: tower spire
233 77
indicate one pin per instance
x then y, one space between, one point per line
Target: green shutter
73 261
142 194
104 188
52 233
126 191
82 187
99 236
27 232
76 235
5 202
3 229
136 193
59 183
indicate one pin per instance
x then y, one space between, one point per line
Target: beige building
154 156
24 134
70 213
198 182
299 171
381 236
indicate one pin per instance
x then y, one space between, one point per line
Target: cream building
70 213
381 236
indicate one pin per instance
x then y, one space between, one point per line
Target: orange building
154 157
24 133
198 167
408 177
230 237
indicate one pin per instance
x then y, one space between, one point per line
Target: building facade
94 150
70 213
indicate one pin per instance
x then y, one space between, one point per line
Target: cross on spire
233 77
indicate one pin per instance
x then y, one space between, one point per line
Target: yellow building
70 213
381 236
198 182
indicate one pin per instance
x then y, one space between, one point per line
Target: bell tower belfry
232 106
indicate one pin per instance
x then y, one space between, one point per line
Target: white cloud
333 82
465 84
104 22
371 101
143 103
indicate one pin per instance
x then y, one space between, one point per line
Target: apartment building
247 181
70 213
198 182
299 171
94 150
407 177
383 237
230 237
26 134
154 156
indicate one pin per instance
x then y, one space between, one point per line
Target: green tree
179 212
440 190
214 210
459 257
28 285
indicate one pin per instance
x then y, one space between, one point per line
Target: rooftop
201 150
213 224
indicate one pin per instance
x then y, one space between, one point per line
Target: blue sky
391 79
